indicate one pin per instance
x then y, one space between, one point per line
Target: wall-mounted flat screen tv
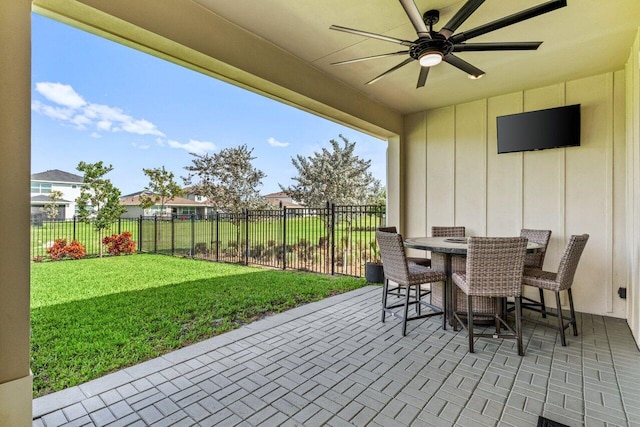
539 130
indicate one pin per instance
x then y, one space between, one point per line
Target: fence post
284 237
155 234
331 210
246 237
193 235
140 234
217 236
119 225
74 227
173 236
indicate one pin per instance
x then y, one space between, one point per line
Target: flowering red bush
76 250
121 244
60 249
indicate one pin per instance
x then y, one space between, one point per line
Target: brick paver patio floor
334 363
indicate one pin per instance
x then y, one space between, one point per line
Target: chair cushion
540 279
419 274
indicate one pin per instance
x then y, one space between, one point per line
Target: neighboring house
179 207
43 183
281 199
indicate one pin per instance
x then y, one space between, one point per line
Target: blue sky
93 100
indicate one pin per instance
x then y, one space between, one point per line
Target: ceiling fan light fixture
475 76
429 59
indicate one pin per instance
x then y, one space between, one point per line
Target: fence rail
333 239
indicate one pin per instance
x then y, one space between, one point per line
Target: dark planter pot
373 272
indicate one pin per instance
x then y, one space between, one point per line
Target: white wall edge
16 402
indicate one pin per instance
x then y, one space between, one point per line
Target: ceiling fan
431 48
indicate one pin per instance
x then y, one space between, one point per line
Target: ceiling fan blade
391 70
484 47
465 12
463 65
422 78
366 58
509 20
371 35
415 16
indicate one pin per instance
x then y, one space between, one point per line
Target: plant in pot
373 271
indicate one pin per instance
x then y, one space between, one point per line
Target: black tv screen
539 130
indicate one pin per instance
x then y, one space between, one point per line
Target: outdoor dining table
448 247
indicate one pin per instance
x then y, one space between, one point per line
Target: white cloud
95 135
193 146
60 94
56 113
141 127
274 143
141 146
73 109
160 142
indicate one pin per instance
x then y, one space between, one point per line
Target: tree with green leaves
333 175
161 188
338 176
99 201
227 179
51 209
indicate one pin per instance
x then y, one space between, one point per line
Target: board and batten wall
454 176
632 75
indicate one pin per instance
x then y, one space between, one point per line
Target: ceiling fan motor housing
436 44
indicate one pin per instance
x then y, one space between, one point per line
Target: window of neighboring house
40 188
191 210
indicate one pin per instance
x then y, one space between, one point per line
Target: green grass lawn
95 316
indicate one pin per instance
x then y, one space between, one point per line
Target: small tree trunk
100 231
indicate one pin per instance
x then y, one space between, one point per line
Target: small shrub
76 250
58 250
38 259
120 244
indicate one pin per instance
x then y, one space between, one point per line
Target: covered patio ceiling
289 45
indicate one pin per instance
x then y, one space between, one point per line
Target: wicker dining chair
557 282
535 261
426 262
494 269
406 275
458 265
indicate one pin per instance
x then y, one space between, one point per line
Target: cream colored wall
454 176
632 73
15 129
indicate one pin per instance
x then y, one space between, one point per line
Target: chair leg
573 313
444 306
385 289
418 298
518 302
455 310
406 311
543 307
563 340
470 322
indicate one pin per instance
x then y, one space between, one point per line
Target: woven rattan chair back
569 261
394 260
391 229
495 266
439 231
541 237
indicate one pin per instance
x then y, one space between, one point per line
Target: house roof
281 195
56 175
41 198
177 201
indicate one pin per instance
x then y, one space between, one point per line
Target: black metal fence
44 232
333 239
